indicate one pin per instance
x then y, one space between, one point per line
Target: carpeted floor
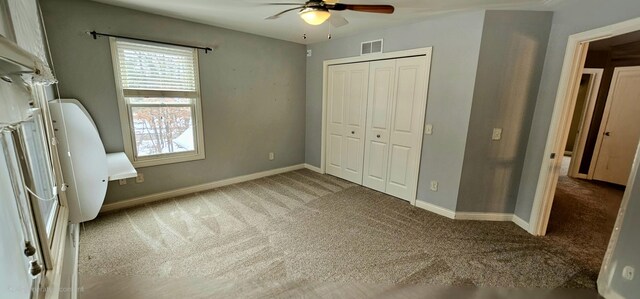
582 218
301 228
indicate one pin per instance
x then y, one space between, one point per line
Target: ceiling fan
316 12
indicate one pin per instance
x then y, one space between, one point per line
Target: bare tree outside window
162 126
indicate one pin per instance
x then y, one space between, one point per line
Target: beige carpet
297 229
582 218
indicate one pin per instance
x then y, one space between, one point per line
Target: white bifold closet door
379 104
396 108
375 123
347 111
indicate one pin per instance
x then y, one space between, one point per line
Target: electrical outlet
627 273
122 181
434 185
272 156
497 134
428 129
140 178
309 53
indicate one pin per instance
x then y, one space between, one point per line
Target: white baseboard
483 216
436 209
521 223
193 189
313 168
473 215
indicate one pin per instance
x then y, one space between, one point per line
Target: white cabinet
375 121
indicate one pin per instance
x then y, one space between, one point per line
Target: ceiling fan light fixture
315 15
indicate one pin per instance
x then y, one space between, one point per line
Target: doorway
572 71
593 202
601 145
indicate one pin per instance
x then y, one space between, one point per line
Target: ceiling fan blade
337 21
273 17
284 4
388 9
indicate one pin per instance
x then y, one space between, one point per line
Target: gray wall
253 91
570 17
627 248
455 40
512 54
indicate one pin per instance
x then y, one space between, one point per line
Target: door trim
585 119
426 52
562 111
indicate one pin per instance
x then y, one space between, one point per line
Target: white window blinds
151 67
26 25
25 21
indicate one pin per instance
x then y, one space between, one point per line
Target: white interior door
591 95
407 125
376 150
620 129
347 103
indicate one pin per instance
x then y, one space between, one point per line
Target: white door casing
407 125
620 131
379 104
347 102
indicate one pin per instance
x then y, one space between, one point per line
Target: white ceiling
248 15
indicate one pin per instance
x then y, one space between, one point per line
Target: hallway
583 216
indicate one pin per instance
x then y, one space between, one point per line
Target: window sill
168 160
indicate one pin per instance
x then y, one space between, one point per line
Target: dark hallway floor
582 218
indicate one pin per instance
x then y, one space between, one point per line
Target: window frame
126 116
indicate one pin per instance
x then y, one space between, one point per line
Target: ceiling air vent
370 47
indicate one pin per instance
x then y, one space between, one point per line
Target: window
159 101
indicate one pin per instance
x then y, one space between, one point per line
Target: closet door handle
378 135
607 133
353 132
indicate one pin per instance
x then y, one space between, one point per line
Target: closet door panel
407 122
335 123
353 163
381 78
399 159
334 161
355 104
347 103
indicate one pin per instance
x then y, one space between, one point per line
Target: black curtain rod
96 34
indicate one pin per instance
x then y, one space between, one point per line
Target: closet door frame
424 52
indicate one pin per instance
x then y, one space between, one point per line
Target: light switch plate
428 129
497 134
434 185
272 156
